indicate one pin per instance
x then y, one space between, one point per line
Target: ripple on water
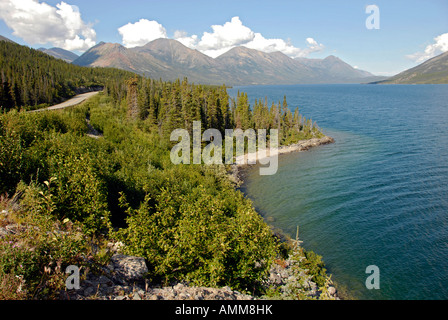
379 195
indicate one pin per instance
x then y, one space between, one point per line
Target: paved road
71 102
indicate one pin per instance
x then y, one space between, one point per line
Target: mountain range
169 59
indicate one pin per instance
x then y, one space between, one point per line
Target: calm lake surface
378 196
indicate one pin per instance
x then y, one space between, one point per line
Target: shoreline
238 171
238 174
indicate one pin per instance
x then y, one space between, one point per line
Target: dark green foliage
206 236
13 161
32 79
175 105
316 268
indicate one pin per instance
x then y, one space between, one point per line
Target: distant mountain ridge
59 53
168 59
432 71
2 38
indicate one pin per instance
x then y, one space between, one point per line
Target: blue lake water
378 196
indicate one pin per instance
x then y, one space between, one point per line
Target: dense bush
209 238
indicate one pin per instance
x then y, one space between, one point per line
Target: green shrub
316 268
13 162
201 237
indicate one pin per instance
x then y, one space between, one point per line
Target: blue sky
313 29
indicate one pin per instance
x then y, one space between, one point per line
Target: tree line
176 105
32 79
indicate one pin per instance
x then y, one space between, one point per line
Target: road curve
71 102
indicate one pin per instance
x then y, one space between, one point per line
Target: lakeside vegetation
66 195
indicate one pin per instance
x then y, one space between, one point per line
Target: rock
331 290
198 296
178 286
275 278
3 232
227 288
129 268
89 291
183 296
104 280
112 284
115 246
136 296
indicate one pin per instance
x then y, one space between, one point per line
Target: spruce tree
132 98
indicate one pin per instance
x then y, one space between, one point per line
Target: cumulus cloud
141 32
223 38
273 45
188 41
439 46
233 33
39 23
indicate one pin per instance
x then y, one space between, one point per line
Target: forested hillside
32 79
432 71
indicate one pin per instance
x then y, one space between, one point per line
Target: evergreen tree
132 98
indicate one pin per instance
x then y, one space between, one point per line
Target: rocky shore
238 170
124 279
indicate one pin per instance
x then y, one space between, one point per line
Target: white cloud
234 33
439 46
182 37
231 34
39 23
141 32
273 45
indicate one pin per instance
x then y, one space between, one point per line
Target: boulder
129 268
331 290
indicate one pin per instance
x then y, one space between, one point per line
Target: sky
386 39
